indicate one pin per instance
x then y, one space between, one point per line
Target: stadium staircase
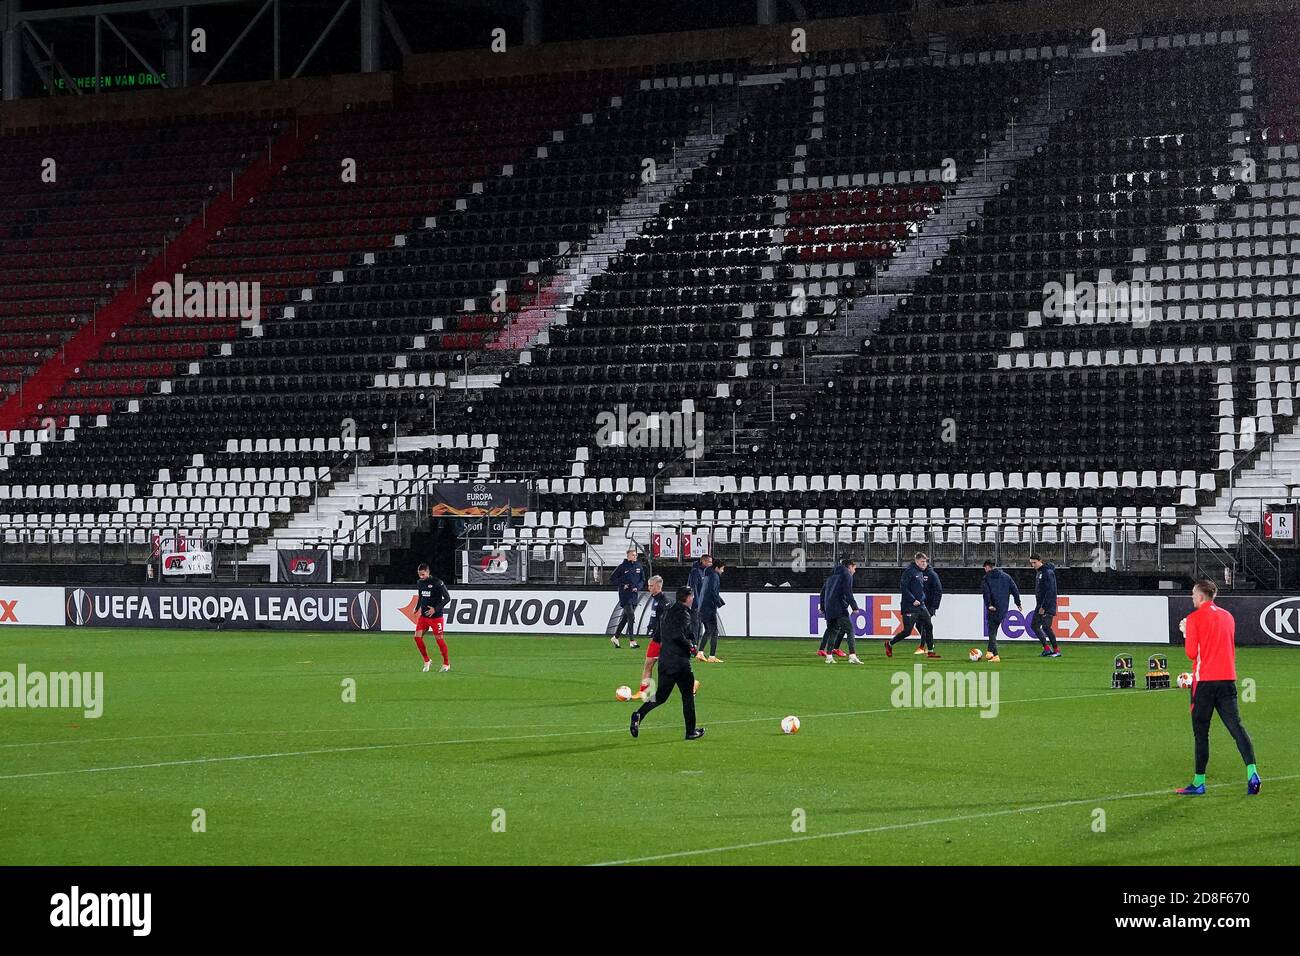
841 337
555 300
373 507
1270 478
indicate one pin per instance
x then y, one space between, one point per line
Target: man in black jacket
676 642
921 592
836 602
628 580
1040 622
706 615
997 589
695 580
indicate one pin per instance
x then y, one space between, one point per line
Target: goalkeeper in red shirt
1210 634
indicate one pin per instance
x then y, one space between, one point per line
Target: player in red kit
433 598
1210 636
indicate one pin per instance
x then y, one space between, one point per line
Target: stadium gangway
367 526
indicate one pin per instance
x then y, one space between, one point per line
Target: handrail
1260 500
365 521
1269 439
654 491
1112 546
1226 561
598 571
1248 537
968 521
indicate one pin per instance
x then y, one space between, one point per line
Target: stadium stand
838 269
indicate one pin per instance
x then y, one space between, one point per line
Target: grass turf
252 728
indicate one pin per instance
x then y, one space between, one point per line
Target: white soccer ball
1184 680
790 725
975 654
623 693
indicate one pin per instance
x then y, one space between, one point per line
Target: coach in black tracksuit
676 649
997 588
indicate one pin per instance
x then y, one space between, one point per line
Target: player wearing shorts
677 641
433 598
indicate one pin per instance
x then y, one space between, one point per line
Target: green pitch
521 755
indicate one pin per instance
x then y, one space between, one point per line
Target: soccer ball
1184 680
975 654
790 725
623 693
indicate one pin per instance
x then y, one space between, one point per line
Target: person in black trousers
707 617
1210 635
628 580
677 647
1040 622
836 602
921 592
695 580
998 589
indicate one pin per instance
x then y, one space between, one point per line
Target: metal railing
1205 548
1262 445
409 496
1109 543
1259 501
1256 559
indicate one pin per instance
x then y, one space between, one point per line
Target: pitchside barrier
252 608
1261 618
1081 618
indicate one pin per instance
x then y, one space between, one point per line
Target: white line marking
916 823
223 733
435 743
361 730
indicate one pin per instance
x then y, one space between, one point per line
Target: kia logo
79 607
1281 620
363 611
